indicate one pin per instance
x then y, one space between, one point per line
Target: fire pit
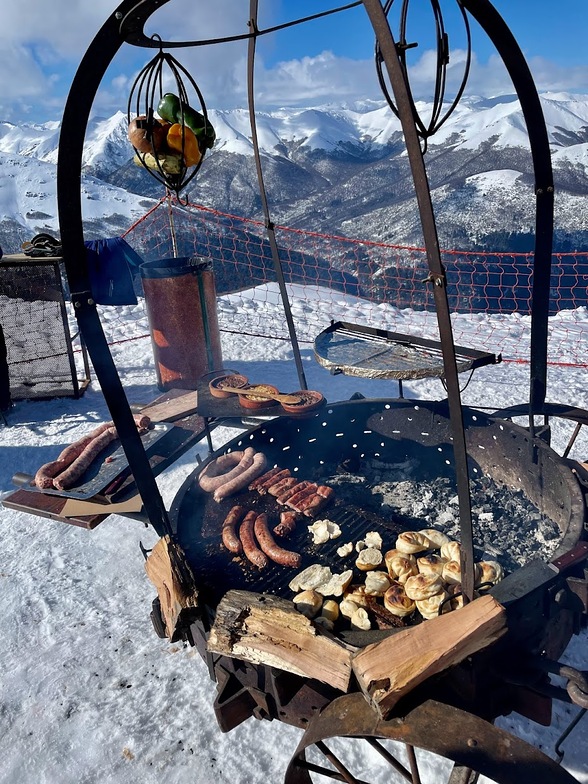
364 440
371 444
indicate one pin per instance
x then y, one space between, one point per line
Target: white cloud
47 42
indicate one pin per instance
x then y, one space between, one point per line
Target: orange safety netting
384 285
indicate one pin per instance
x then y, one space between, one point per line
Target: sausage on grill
246 534
241 480
224 468
269 546
287 523
229 533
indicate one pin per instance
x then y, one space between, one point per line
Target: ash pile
507 526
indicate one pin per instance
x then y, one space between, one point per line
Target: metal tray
357 350
100 474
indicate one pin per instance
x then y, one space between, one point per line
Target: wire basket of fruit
169 135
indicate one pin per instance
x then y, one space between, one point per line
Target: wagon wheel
403 749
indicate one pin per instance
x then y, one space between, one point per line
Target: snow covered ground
90 695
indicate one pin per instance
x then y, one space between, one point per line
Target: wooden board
180 403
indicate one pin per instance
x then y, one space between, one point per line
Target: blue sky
323 62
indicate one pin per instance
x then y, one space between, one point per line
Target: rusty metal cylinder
180 300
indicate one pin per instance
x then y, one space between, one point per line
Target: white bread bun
451 551
360 620
348 607
356 593
309 578
308 603
452 572
370 558
401 567
437 538
429 608
423 586
397 602
430 564
489 572
376 583
413 542
336 585
330 610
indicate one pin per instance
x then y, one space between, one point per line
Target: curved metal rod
133 23
69 167
438 280
269 225
506 45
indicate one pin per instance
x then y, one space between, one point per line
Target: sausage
262 489
282 486
326 491
229 533
261 479
283 497
295 500
246 534
241 480
287 523
74 471
269 546
224 468
142 421
313 504
47 472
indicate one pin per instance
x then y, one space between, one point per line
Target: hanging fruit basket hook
169 135
426 129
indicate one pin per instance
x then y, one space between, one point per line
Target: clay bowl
234 380
253 402
309 401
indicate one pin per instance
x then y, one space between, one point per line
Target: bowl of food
308 400
259 399
222 385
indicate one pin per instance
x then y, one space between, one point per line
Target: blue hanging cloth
109 267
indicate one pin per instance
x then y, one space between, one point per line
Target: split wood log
170 573
390 669
265 629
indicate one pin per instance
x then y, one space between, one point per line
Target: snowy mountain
341 170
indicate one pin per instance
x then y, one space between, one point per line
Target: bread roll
376 583
308 603
437 538
401 567
423 586
336 585
430 564
370 558
413 542
360 620
348 607
397 602
489 572
330 610
451 551
451 572
429 608
356 593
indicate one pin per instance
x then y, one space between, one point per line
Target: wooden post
265 629
389 669
170 573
